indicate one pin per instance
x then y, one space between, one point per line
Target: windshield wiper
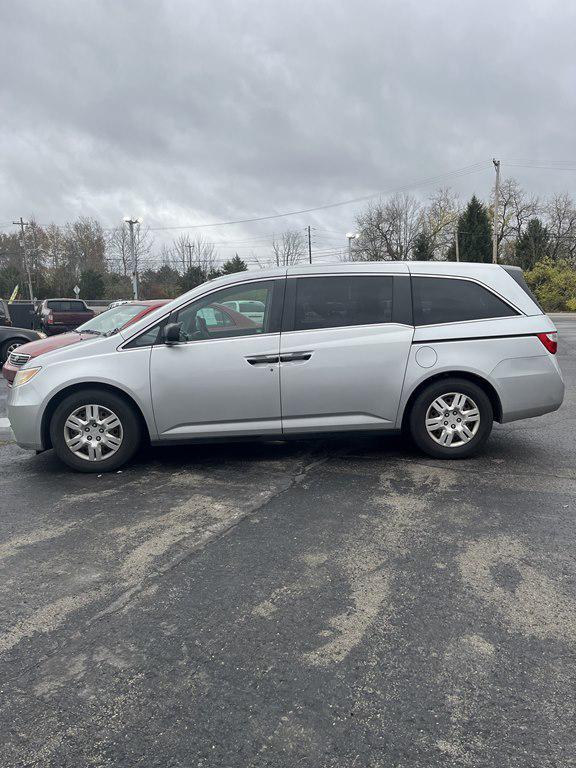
89 330
112 332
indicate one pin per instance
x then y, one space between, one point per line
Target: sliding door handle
291 357
262 359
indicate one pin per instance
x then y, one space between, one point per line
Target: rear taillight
550 341
50 318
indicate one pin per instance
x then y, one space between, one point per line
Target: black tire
423 402
5 349
129 420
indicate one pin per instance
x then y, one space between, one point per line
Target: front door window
243 310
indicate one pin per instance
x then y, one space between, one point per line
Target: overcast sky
213 110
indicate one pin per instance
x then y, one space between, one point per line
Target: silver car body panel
202 400
341 386
355 378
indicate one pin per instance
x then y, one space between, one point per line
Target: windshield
111 319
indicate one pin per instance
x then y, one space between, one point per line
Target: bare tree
85 245
515 209
143 246
388 230
186 253
560 219
289 249
375 230
439 221
119 250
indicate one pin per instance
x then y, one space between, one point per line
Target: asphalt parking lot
320 604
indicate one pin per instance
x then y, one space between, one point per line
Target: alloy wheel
93 432
452 419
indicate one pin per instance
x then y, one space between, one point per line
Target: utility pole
189 247
309 245
495 219
457 246
131 222
21 223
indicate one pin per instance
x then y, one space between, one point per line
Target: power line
560 165
422 182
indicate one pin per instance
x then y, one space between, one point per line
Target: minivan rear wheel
451 419
95 431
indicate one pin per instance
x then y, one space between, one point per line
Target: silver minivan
439 349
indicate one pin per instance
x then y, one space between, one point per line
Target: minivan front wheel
95 431
451 418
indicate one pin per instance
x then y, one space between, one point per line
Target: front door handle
262 359
290 357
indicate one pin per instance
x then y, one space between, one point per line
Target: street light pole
495 219
351 236
131 222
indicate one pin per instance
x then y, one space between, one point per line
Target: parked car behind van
61 315
440 349
11 338
5 319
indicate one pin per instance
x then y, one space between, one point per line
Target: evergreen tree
193 277
532 245
162 283
91 285
10 277
117 286
474 234
234 265
423 247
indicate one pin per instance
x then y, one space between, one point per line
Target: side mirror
172 333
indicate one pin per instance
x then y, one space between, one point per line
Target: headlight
24 376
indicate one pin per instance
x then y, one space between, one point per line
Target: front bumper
25 416
9 372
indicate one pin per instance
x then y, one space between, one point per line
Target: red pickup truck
61 315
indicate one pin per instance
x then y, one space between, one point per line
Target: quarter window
335 302
449 300
147 339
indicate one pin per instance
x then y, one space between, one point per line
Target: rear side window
518 276
66 306
334 302
449 300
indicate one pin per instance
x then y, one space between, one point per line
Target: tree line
54 259
537 235
527 228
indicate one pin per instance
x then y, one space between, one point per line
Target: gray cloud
188 112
